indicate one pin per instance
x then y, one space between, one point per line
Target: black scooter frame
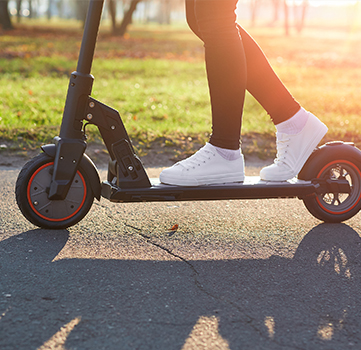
80 107
127 179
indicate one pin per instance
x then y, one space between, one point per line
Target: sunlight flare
205 335
58 340
338 258
325 331
269 322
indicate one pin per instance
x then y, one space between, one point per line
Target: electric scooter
56 189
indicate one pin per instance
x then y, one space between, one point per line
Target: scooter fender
331 150
88 166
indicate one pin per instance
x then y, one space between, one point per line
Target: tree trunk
48 12
5 19
276 6
60 6
287 23
254 7
127 18
18 10
81 10
300 20
113 12
146 11
31 9
164 12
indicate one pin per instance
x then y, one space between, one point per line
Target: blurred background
118 14
150 67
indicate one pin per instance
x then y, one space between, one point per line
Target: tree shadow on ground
309 301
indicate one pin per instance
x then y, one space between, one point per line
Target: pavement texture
252 274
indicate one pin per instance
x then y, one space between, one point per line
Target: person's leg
264 84
262 81
226 68
220 160
298 131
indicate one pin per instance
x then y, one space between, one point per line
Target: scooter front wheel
335 162
32 195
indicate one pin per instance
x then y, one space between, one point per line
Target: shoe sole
209 180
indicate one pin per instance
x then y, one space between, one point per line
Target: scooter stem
81 81
70 145
90 36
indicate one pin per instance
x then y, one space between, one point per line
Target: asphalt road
261 274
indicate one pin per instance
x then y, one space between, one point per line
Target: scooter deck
251 188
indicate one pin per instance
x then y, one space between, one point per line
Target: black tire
333 162
31 195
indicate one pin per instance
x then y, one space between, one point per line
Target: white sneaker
294 150
205 167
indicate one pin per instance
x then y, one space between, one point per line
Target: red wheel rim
329 165
43 216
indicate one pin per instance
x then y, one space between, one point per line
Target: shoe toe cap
275 172
168 175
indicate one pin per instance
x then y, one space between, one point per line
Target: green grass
155 97
156 79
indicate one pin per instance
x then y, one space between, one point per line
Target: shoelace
196 159
282 145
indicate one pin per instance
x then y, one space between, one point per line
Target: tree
276 6
81 9
299 13
127 18
18 10
165 10
287 22
254 7
5 20
112 12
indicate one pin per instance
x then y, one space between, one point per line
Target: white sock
295 124
228 154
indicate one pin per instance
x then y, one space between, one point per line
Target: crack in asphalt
149 240
249 319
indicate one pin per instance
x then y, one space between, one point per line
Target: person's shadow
311 300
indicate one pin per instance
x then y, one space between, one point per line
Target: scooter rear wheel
32 195
335 164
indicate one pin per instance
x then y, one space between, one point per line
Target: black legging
234 63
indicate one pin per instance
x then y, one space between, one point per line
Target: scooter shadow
309 301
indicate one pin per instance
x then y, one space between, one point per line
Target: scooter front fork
125 165
70 144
